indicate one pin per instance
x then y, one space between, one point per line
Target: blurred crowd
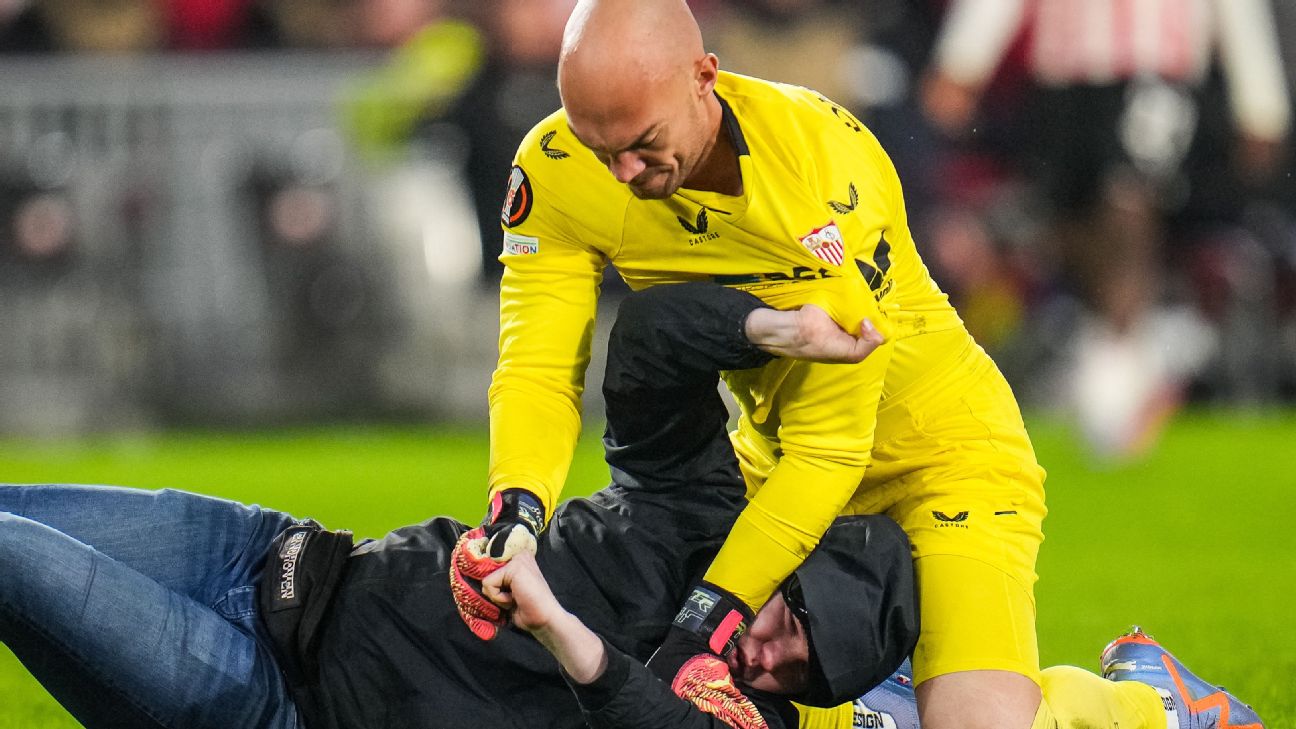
1104 187
145 26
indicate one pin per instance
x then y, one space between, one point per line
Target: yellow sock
838 717
1074 698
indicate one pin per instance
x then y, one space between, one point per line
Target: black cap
862 608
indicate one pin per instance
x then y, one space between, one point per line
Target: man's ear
705 72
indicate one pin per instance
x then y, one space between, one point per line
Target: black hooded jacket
392 651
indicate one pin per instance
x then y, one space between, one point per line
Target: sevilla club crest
826 244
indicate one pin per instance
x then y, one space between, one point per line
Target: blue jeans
138 609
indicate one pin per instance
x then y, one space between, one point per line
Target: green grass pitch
1194 542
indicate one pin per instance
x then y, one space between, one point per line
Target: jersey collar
731 125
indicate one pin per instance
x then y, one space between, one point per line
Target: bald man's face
652 136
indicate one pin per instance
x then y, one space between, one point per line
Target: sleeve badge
520 245
519 200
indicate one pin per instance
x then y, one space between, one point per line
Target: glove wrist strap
711 613
516 506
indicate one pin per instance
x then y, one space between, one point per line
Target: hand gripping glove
710 623
705 681
515 518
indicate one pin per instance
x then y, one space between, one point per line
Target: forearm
546 321
808 333
770 328
628 696
825 432
520 589
533 433
781 526
579 651
680 335
614 690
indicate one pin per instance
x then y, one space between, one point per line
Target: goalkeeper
168 609
673 171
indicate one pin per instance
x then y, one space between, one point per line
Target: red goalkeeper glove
515 519
704 680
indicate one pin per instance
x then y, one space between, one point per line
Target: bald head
636 83
618 45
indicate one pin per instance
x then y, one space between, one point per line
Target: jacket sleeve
667 426
629 696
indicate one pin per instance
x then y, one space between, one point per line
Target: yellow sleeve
826 415
822 417
816 423
813 717
548 298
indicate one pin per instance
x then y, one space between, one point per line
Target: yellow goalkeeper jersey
821 220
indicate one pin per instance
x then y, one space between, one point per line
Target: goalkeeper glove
515 519
704 681
710 623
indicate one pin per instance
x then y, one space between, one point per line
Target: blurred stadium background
248 247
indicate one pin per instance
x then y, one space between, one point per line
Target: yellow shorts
952 464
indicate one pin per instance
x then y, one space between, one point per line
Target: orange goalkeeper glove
704 680
515 519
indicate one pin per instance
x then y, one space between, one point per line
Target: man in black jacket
370 636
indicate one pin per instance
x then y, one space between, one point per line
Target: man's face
651 144
774 654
